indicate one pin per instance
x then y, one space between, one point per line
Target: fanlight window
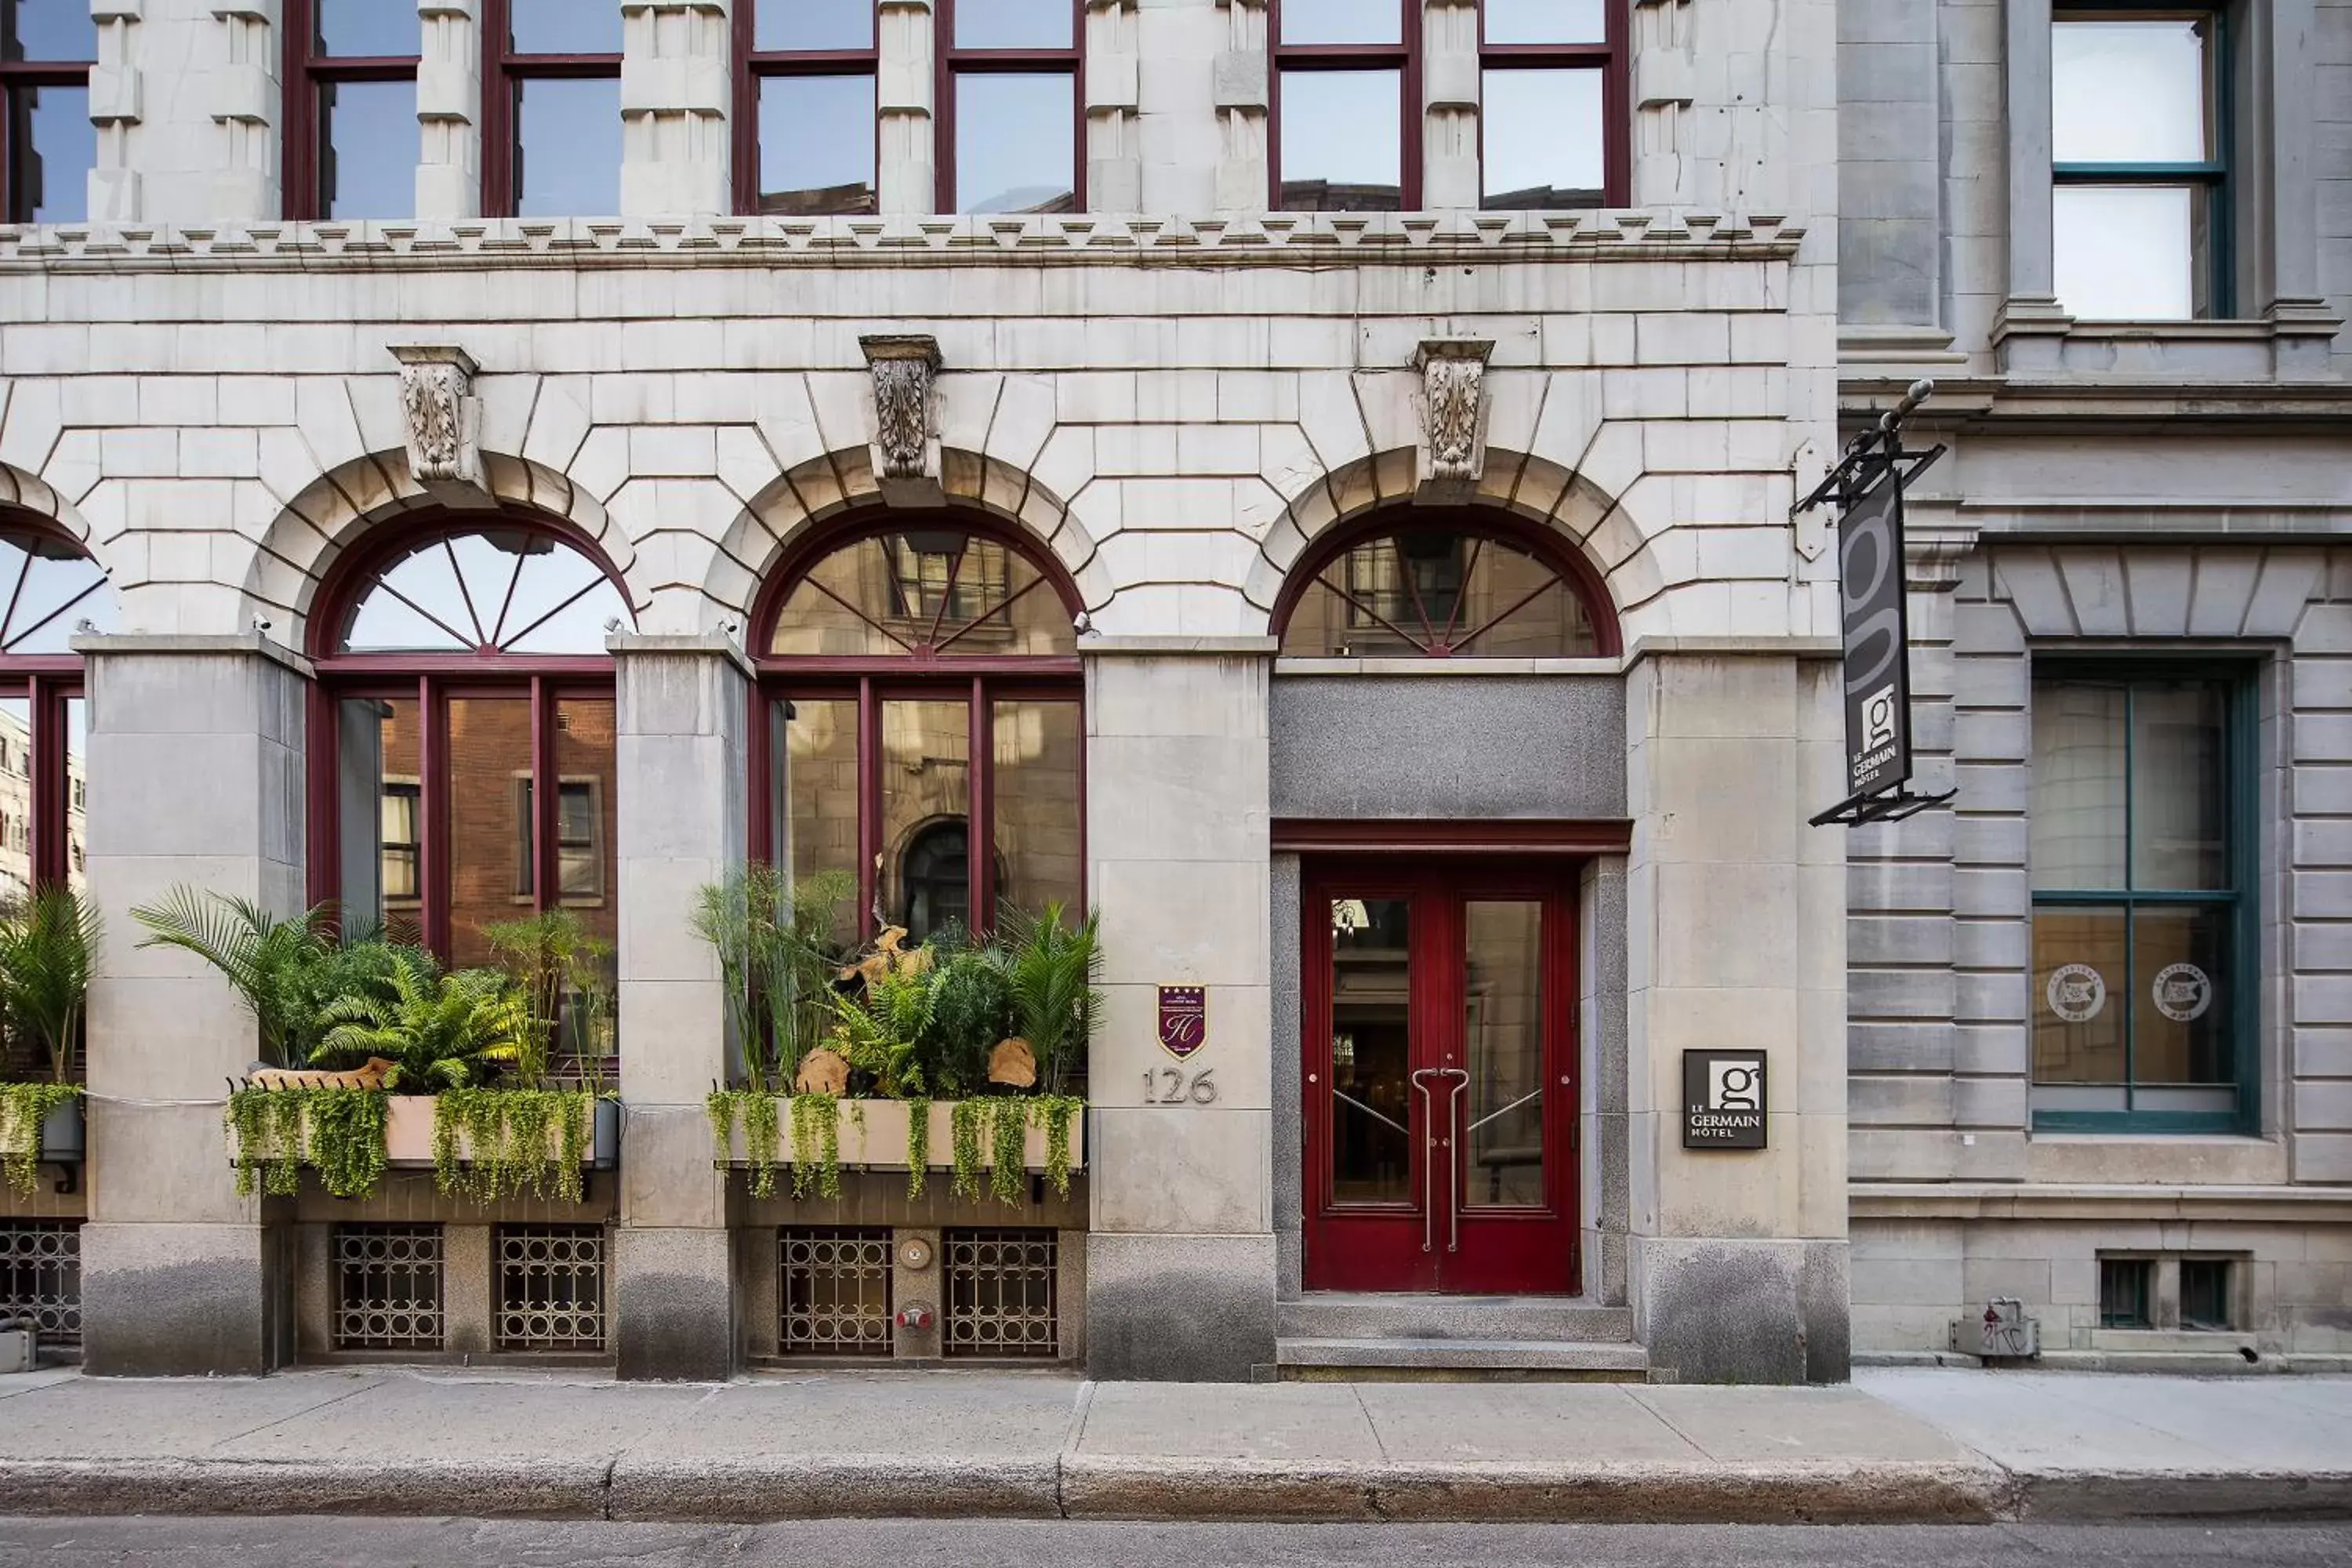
52 588
497 590
1439 593
941 591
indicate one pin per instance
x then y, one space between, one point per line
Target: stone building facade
1405 635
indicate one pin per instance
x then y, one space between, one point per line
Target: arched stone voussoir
335 511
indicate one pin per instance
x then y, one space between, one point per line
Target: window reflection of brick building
19 785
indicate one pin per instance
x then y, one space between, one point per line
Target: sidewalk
1924 1446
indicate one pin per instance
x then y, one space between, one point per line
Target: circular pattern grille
550 1287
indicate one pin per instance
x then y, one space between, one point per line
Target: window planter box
408 1136
872 1134
61 1137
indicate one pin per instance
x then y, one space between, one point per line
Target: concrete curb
674 1491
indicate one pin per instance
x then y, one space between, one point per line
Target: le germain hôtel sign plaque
1723 1099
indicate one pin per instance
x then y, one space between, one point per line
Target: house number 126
1167 1086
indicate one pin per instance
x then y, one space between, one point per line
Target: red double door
1439 1067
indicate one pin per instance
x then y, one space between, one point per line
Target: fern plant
882 1037
444 1035
264 958
48 945
1052 974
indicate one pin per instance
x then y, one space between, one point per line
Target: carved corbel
443 423
1452 405
906 450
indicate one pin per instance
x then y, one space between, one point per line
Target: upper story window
46 47
1346 115
1441 589
350 108
463 769
50 588
2140 182
924 701
1012 121
550 107
807 144
1551 103
2143 985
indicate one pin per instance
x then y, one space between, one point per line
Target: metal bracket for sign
1878 456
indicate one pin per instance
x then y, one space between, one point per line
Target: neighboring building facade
1325 500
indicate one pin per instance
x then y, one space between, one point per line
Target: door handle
1429 1158
1457 1081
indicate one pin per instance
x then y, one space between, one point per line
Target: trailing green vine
24 1107
965 1121
1058 1112
918 1145
521 1142
816 1146
266 1126
1008 1148
347 1130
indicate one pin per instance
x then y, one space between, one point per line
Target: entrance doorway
1440 1067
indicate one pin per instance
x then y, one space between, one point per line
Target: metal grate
1001 1293
388 1286
835 1291
40 1276
2125 1292
550 1287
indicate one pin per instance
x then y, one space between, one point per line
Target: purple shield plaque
1183 1019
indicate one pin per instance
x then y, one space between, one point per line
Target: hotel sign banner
1877 666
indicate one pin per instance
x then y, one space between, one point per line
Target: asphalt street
135 1543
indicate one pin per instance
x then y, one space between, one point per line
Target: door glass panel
926 816
1372 1051
1503 1029
816 775
1039 853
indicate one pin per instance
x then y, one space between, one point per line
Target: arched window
923 703
1454 586
463 739
48 589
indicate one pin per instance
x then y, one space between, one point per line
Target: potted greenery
376 1058
954 1055
48 945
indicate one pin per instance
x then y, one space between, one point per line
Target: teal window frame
2221 259
2237 678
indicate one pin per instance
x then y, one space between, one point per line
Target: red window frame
754 64
306 71
15 77
1403 56
1608 57
48 681
503 70
1559 554
953 62
979 680
434 681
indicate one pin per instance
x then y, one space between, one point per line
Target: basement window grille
1001 1293
836 1290
2125 1292
2205 1294
40 1276
550 1287
388 1290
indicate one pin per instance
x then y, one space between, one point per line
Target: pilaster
247 99
908 181
677 83
1450 175
680 771
1242 95
1114 103
1666 135
2030 330
117 100
196 779
450 109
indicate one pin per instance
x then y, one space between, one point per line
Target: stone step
1370 1315
1305 1358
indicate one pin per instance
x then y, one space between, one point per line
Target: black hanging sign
1867 484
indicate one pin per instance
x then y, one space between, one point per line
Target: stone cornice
1284 239
2049 1201
2119 406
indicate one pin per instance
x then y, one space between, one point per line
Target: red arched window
924 733
463 734
1448 586
49 587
